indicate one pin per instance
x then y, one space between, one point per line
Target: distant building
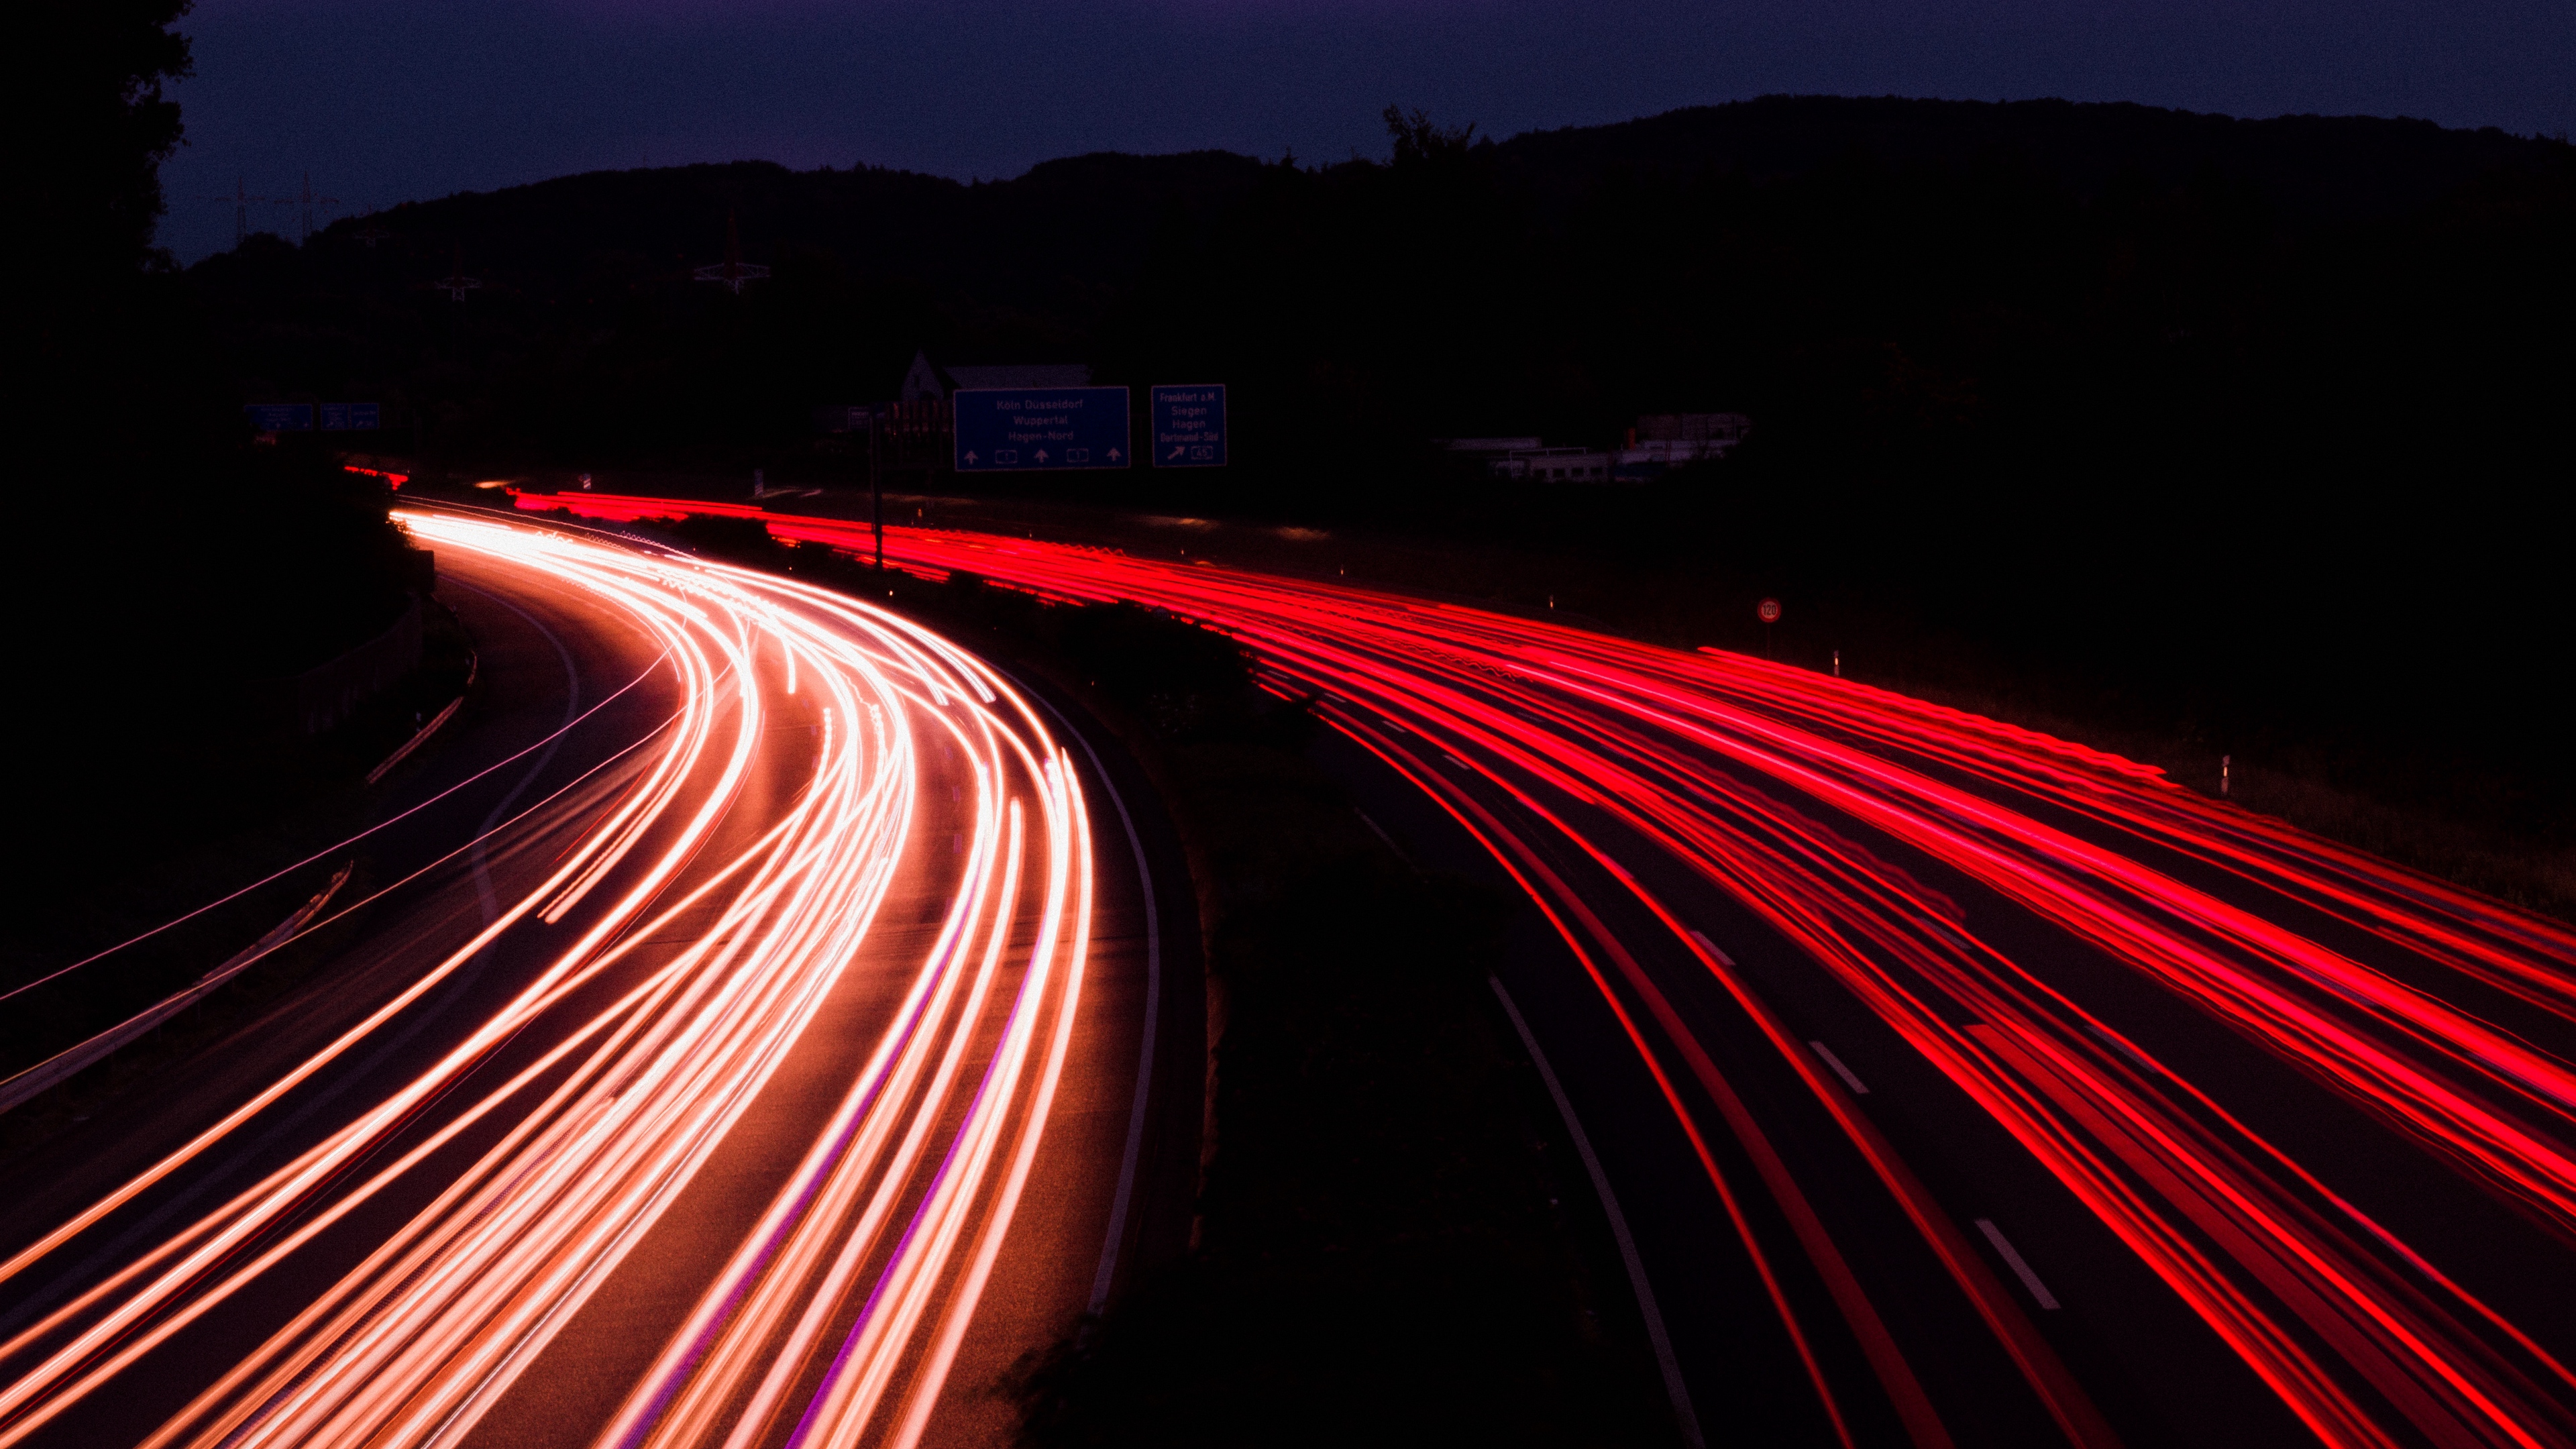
1725 428
1558 465
928 381
1489 448
1530 458
1662 441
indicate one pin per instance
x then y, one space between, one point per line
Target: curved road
746 1051
1947 1083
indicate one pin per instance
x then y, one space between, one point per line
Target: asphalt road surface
743 1047
1945 1083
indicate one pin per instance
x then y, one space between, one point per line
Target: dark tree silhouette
106 126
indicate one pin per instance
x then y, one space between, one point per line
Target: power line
305 200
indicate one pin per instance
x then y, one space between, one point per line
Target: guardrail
322 696
63 1066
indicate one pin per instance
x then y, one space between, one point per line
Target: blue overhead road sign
1189 425
351 417
1024 429
280 417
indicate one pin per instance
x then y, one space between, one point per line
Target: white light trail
712 916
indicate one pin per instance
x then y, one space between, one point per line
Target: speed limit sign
1768 611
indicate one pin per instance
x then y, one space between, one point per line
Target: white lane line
1389 839
2122 1047
1673 1385
1136 1111
1840 1070
1710 947
483 893
2029 1279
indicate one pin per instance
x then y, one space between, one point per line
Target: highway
744 1045
1946 1083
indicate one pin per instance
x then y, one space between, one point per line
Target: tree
1417 140
108 124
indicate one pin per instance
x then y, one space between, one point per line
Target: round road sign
1768 611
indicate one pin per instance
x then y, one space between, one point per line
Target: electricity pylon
733 271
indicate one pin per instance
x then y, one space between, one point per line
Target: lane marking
1840 1070
1136 1112
1710 947
2122 1047
1380 830
2021 1270
1672 1370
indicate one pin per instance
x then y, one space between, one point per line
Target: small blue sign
280 417
1189 425
1029 429
351 417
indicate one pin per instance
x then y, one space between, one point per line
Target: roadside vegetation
169 579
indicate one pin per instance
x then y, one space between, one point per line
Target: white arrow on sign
1113 455
970 457
1041 455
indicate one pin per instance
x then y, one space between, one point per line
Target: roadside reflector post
1838 664
2224 762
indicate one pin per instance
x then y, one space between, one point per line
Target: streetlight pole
876 490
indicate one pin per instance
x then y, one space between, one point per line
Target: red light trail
2425 1007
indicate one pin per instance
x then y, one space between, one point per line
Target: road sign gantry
1039 429
1188 421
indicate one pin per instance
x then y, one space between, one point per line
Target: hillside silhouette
2246 428
1559 280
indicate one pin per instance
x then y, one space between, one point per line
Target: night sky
383 102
